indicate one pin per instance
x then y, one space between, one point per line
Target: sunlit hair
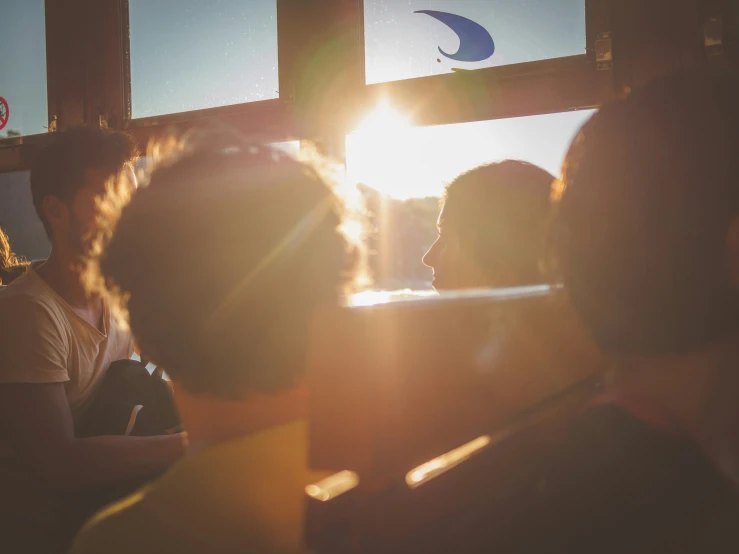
9 261
650 188
222 256
501 213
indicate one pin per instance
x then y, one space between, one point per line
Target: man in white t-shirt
56 344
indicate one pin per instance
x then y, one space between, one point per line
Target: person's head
646 237
492 227
69 175
10 263
224 258
7 257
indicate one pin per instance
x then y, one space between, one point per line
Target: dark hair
224 257
501 211
651 186
59 168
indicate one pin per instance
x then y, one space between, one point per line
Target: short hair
59 168
224 258
502 212
651 185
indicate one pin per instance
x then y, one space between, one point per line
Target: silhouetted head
224 258
647 232
69 175
492 227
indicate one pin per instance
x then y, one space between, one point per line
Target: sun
382 135
400 160
382 120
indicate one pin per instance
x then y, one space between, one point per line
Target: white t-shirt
43 340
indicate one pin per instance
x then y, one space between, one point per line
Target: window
418 38
402 170
18 217
195 54
404 162
292 147
23 69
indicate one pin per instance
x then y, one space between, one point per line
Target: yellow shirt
246 495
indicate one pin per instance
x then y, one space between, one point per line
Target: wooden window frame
322 76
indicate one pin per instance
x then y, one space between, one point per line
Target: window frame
531 88
322 97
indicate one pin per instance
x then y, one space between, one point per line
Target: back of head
10 264
7 257
651 190
224 257
59 168
501 211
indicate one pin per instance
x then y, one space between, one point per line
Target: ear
732 250
55 211
470 273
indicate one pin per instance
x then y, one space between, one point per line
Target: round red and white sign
4 112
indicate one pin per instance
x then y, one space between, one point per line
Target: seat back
394 385
463 503
397 389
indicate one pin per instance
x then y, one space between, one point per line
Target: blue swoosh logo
475 43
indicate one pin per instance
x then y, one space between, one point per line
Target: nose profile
429 258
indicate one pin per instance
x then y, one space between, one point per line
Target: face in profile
84 224
453 269
492 228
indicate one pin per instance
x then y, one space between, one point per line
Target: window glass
18 217
292 147
402 171
195 54
417 38
24 108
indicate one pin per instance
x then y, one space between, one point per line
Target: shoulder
121 527
615 453
27 292
608 444
35 338
27 306
612 482
154 520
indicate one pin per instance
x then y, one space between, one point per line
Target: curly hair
9 261
221 258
